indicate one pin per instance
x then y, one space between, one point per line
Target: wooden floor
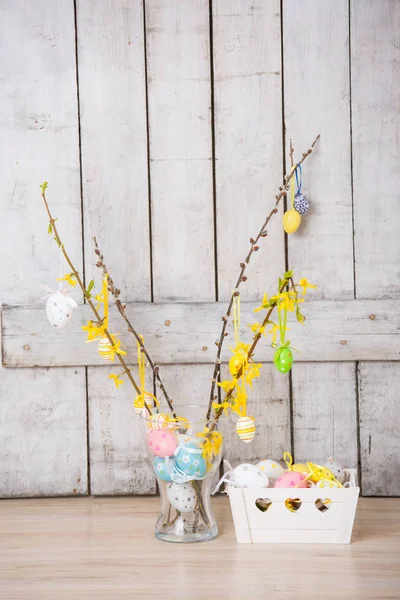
104 548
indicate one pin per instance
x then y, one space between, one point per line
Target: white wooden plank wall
42 411
163 128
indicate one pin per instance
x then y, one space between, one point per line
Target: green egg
283 359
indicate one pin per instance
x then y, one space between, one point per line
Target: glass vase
185 458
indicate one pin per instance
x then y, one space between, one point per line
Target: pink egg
162 442
291 479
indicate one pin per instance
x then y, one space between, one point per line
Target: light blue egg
190 463
161 469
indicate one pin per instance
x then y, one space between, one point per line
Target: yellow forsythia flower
117 380
303 283
69 278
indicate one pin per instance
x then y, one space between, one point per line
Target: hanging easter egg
291 221
162 442
156 421
138 405
249 476
301 204
271 468
190 462
161 468
182 497
235 364
246 429
59 309
283 359
291 479
104 348
336 470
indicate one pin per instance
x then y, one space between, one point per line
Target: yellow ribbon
287 457
140 400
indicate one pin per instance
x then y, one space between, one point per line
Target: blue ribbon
298 178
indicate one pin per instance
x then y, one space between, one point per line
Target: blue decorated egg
189 461
161 468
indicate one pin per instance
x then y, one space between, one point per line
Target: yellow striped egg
104 348
246 429
138 405
156 421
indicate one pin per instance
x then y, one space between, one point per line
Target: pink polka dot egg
291 479
162 442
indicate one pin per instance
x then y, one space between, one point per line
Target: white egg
326 483
336 470
271 468
59 309
182 497
249 476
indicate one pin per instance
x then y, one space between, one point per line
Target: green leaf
57 242
44 186
90 286
288 274
50 228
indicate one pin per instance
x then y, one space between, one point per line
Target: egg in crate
190 462
271 468
59 309
182 497
291 479
246 429
336 469
249 476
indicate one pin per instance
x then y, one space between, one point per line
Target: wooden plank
248 140
43 413
375 60
379 431
325 419
114 166
316 70
180 149
186 332
178 52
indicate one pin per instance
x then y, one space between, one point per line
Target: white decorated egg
271 468
104 348
156 421
335 469
59 309
182 497
246 429
249 476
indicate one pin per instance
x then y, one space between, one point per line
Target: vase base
188 538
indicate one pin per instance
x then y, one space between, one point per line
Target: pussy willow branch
121 309
87 296
249 354
254 247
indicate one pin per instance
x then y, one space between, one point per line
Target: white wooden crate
307 525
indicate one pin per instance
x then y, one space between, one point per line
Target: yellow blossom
93 331
303 283
227 385
257 328
225 406
252 372
117 380
274 330
264 304
69 278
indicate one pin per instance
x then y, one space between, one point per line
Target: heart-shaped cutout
263 504
293 504
323 504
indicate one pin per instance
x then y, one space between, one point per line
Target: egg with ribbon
162 468
318 472
162 442
271 468
291 220
336 469
104 348
246 429
235 363
189 461
156 421
182 497
301 204
59 307
249 476
291 479
326 483
283 359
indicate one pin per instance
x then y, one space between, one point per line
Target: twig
87 295
254 247
249 354
121 309
291 153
